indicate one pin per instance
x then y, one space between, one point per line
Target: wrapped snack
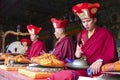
10 59
21 59
111 66
47 60
2 56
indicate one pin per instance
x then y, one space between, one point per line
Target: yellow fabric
111 66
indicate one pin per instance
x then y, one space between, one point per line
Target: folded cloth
86 78
63 75
111 66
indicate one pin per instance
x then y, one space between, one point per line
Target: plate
19 63
48 66
15 54
116 73
43 69
2 59
38 65
1 62
71 66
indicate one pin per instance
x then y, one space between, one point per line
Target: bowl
78 64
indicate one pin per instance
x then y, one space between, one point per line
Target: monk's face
24 43
89 23
58 33
33 37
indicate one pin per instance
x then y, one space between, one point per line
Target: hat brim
72 66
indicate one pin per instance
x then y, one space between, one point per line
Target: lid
78 64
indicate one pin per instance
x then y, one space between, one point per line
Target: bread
58 63
2 56
115 66
47 60
18 59
21 59
8 57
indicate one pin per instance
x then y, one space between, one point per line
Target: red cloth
14 75
62 75
35 49
100 45
64 49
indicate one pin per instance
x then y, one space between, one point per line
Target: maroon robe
35 49
64 49
101 45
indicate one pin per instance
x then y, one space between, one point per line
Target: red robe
64 49
101 45
35 49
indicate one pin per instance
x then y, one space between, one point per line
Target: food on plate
115 66
2 56
47 59
21 59
8 57
18 58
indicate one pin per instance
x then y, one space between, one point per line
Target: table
14 75
112 72
111 75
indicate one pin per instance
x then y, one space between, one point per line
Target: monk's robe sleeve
100 46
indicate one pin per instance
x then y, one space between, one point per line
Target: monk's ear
95 20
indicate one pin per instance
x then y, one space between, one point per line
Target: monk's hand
96 66
78 51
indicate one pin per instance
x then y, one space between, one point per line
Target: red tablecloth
14 75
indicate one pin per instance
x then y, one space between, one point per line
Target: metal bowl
80 62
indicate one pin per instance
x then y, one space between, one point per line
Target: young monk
25 43
96 43
37 45
64 46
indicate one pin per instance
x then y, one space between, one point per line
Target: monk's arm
78 51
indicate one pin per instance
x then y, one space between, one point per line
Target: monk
37 45
64 46
25 43
95 43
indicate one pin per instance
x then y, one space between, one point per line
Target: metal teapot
78 63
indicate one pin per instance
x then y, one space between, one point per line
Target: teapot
78 63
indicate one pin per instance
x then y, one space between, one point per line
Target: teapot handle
83 57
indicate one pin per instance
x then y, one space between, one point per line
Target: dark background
39 13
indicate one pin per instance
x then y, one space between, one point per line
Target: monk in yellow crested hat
85 10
